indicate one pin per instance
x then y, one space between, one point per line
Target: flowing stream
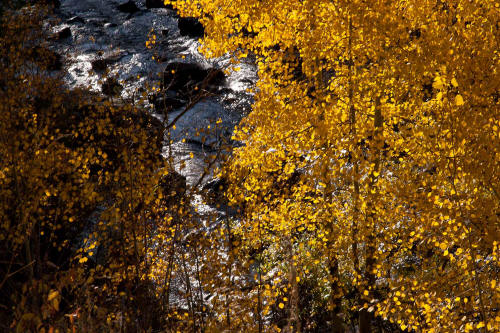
99 30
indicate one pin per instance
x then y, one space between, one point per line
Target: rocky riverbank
103 46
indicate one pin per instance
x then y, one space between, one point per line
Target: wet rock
63 33
190 26
163 58
110 25
166 102
157 4
76 19
128 7
247 81
185 78
99 65
111 87
102 62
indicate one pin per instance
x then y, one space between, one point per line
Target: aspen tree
391 108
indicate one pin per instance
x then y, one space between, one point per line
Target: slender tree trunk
364 322
294 319
200 291
189 292
259 301
337 323
365 317
230 259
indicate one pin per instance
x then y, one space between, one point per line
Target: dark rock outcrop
157 4
76 19
99 65
63 34
187 78
190 26
110 25
128 7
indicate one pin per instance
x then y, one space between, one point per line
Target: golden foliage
373 143
82 211
367 186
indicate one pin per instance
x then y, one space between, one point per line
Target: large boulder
190 26
186 78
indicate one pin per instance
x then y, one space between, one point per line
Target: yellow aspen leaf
438 83
53 299
52 295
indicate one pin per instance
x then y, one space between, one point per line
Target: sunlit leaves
377 122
